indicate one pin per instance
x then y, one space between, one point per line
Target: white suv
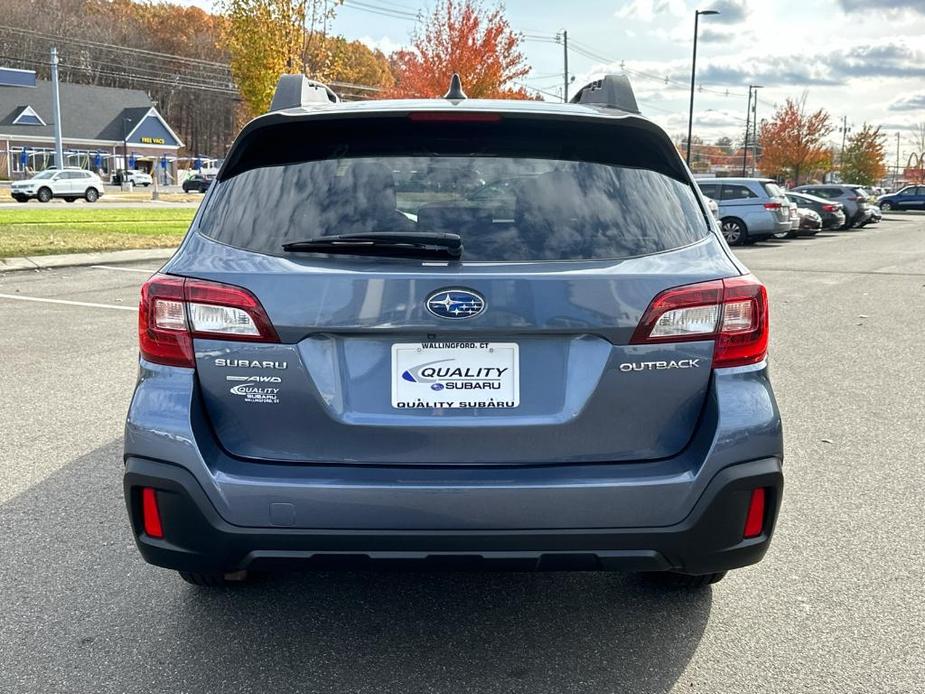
138 178
69 184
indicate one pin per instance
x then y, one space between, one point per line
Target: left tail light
174 310
733 312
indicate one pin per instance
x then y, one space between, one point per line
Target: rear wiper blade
408 244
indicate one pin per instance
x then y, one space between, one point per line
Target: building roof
87 112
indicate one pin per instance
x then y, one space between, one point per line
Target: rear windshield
773 190
506 207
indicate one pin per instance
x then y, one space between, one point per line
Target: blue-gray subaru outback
453 332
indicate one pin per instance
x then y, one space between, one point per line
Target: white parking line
123 269
16 297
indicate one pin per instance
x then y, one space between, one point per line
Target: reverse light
754 521
733 312
174 310
150 513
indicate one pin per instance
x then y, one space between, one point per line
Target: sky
859 59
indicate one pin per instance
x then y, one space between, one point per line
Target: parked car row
754 209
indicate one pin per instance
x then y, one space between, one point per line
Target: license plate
457 375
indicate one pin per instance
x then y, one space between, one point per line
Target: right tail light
733 312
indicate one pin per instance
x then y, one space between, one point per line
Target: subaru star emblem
455 304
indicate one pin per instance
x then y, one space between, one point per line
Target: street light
690 118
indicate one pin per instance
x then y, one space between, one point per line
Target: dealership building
101 127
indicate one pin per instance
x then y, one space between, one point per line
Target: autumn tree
865 152
793 142
461 36
267 38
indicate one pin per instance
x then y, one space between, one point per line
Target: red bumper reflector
150 513
754 522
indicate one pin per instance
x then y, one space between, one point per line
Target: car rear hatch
534 346
778 203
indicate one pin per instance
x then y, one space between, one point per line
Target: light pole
125 122
690 117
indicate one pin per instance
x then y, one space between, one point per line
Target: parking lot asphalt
838 605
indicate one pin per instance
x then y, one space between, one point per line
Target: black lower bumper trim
708 540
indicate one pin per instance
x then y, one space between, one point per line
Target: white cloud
648 10
384 44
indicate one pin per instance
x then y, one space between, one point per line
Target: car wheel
886 206
92 195
44 195
734 232
788 235
669 579
145 184
19 198
70 199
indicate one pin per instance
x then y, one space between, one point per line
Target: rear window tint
773 190
733 191
516 198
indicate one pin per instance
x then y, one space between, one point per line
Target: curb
45 262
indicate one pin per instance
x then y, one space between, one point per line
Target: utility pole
564 37
56 108
754 103
748 116
896 170
844 134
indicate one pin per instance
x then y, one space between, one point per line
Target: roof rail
293 91
613 91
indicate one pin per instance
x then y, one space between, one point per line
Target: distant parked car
853 198
138 178
198 182
909 198
831 213
810 222
68 184
750 209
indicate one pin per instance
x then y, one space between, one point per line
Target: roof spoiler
294 91
612 91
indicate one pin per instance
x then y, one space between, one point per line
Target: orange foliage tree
461 36
793 142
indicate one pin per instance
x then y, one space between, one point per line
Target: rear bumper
708 539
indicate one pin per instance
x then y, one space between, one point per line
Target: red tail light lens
734 312
174 310
754 521
150 513
772 205
828 208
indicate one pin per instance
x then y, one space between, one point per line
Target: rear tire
20 199
44 195
886 206
734 232
70 199
669 579
92 195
